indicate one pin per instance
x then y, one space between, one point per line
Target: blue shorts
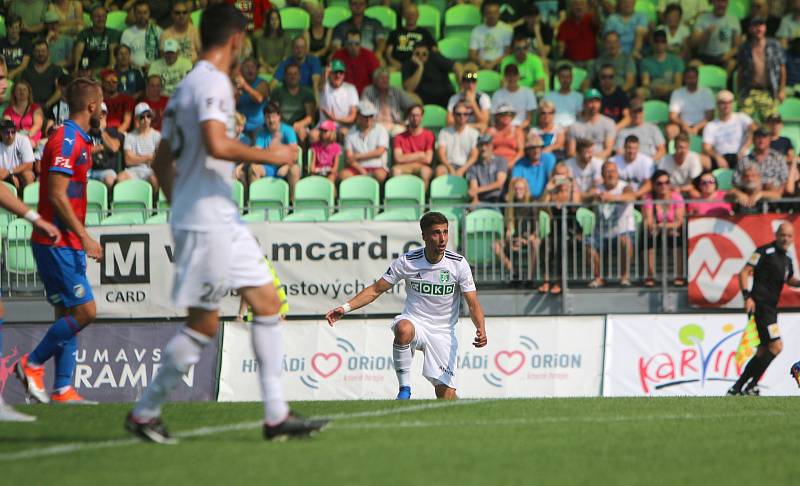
63 272
598 242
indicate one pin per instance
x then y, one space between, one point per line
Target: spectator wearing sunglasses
359 62
140 147
457 145
16 156
663 212
715 200
183 32
531 69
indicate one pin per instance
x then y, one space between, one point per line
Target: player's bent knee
204 321
264 299
404 332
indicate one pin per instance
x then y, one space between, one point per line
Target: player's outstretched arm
222 147
476 313
365 297
57 187
11 203
164 167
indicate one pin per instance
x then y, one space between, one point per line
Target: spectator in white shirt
587 171
457 146
521 98
366 146
727 138
140 148
690 107
683 165
569 103
16 156
635 168
337 101
490 41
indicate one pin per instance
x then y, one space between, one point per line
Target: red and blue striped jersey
68 152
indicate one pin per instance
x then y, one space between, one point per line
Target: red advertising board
718 249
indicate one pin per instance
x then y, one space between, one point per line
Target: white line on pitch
204 431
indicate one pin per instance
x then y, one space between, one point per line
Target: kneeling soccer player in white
435 280
214 251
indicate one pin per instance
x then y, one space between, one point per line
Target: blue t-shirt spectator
264 139
626 29
537 175
309 67
252 111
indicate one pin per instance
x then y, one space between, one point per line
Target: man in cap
106 143
16 156
172 67
413 149
478 102
457 145
761 71
275 132
726 139
772 165
487 176
536 166
60 45
651 141
359 62
594 126
140 148
366 146
521 98
338 99
120 106
42 74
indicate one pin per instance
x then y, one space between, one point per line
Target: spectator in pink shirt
665 215
413 149
705 187
325 152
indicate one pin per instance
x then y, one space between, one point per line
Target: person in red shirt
156 101
577 35
413 149
120 106
359 61
254 10
66 161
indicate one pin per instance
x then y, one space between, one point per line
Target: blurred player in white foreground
214 251
435 280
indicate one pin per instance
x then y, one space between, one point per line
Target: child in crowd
325 152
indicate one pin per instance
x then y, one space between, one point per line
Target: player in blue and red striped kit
65 162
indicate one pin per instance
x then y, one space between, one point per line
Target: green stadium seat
314 195
334 15
383 14
294 20
96 199
578 75
637 218
125 218
656 111
19 255
738 8
544 224
434 118
2 26
133 195
305 216
238 194
160 218
405 193
350 214
448 191
5 216
724 179
586 220
163 204
790 110
359 194
453 216
339 3
395 215
269 193
712 77
459 20
87 20
255 216
30 195
792 132
396 79
454 82
483 228
454 48
489 81
648 8
430 18
696 143
116 20
196 16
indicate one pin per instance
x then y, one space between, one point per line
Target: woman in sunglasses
715 200
663 212
553 136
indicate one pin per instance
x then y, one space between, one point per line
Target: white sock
402 356
267 336
180 353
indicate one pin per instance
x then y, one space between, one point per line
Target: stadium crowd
571 102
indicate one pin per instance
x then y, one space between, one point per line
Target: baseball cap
109 75
533 140
761 132
504 108
171 45
366 108
328 126
724 95
592 94
338 66
51 17
141 109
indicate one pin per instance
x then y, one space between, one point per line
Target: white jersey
201 196
433 290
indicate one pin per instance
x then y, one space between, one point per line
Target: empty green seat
238 194
163 204
96 198
305 216
30 195
483 228
269 193
724 179
361 194
334 15
489 81
586 220
124 218
648 8
294 20
434 117
133 195
116 20
395 215
656 111
459 20
314 195
429 18
454 48
383 14
790 110
448 190
196 17
405 193
792 132
160 218
713 77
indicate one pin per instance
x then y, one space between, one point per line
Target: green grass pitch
736 440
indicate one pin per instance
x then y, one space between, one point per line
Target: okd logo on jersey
126 259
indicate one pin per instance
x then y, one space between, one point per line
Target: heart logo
326 364
509 362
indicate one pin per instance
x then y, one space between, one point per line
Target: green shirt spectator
531 68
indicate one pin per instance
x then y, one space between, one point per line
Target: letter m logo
126 259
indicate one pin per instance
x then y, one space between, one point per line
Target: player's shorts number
212 294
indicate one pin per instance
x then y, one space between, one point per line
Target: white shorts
440 350
142 172
210 263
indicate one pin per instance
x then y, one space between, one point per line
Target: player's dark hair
219 23
80 92
430 219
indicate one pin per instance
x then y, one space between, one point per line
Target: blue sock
62 330
65 363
